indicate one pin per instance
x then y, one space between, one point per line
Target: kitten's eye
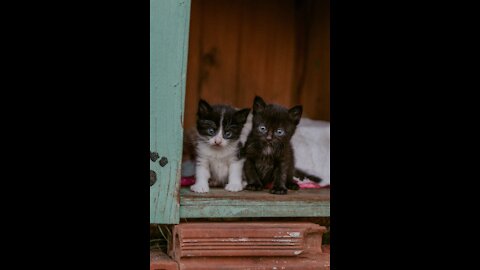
262 129
227 135
279 132
211 131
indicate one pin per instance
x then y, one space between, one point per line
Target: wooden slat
221 203
278 49
267 51
219 50
169 22
314 92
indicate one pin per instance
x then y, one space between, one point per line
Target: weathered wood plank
245 195
242 48
221 203
314 92
266 52
219 44
169 24
229 211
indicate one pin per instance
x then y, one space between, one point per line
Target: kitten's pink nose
269 137
217 141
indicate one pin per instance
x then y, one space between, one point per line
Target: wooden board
267 45
169 23
313 83
279 49
221 203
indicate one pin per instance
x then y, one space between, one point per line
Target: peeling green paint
169 25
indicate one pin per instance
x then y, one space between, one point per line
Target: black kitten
268 152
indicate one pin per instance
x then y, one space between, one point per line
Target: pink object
302 184
306 183
187 181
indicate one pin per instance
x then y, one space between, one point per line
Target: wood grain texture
219 50
221 203
314 84
169 24
266 52
278 49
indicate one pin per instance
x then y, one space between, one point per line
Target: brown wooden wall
278 49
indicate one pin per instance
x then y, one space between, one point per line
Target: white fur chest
217 160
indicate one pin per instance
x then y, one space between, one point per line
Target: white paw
234 187
244 184
200 188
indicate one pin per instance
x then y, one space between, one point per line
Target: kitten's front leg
202 174
280 179
290 183
252 177
235 176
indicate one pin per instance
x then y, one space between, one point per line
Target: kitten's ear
258 104
241 116
296 113
203 107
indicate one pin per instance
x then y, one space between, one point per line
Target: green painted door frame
169 27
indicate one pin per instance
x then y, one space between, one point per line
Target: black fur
269 154
301 174
209 117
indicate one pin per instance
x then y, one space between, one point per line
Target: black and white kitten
218 145
268 151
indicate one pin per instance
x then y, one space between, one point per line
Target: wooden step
246 239
219 203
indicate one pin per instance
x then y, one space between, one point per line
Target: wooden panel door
169 25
